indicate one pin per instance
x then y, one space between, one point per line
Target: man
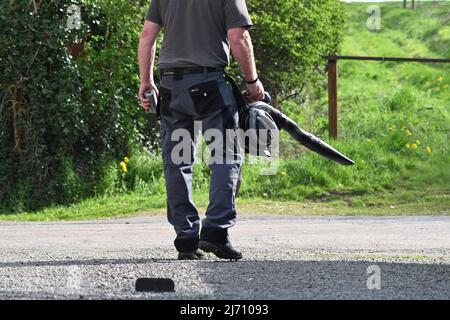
198 36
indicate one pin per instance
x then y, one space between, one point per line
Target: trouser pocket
206 98
165 97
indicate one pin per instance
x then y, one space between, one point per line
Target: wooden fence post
333 114
332 98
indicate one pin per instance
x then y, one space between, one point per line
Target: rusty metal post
333 98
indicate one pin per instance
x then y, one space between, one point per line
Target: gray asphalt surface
285 258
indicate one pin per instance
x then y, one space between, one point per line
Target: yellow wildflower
407 146
126 160
283 173
123 167
429 149
369 141
414 146
440 79
418 142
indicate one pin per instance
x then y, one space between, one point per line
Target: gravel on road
285 258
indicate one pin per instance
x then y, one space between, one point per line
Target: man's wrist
252 81
146 82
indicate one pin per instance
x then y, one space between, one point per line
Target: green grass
96 208
384 107
428 202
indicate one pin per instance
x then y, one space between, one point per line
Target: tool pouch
163 107
206 98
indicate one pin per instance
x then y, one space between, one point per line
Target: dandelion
414 146
126 160
283 173
428 149
418 142
407 146
409 133
123 167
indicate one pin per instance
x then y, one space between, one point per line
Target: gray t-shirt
195 31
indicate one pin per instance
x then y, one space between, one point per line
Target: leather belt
178 73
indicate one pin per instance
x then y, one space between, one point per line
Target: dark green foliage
110 72
60 116
290 38
41 114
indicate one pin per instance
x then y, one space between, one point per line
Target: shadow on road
262 279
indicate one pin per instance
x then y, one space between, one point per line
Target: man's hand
256 91
144 88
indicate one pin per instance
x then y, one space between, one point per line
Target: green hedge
65 120
291 36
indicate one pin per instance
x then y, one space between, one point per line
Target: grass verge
420 203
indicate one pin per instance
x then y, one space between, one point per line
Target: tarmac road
285 258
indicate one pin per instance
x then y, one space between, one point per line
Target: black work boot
188 249
216 241
196 255
221 250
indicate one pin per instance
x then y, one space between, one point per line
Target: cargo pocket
164 102
206 97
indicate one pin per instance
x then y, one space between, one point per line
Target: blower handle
267 97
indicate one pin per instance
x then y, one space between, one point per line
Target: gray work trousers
195 99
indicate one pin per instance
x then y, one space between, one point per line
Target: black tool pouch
206 98
163 107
